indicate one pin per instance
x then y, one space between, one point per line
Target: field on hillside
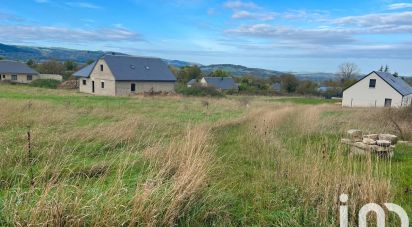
127 161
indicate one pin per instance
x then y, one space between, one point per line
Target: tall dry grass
296 139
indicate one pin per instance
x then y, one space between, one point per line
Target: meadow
172 160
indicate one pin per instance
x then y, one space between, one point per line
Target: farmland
111 161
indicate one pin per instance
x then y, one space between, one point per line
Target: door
133 87
92 86
388 102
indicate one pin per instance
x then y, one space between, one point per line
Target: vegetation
45 83
114 161
198 90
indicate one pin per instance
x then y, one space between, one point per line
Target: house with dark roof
114 75
220 83
191 82
17 72
378 89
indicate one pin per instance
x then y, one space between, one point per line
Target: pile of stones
382 145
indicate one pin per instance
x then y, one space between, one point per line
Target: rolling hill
24 53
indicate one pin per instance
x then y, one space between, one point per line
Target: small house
17 72
220 83
378 89
117 75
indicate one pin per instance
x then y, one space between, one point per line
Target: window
29 77
102 84
372 83
84 82
13 77
133 87
101 68
388 102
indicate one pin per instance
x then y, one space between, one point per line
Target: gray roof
85 72
396 82
192 81
7 66
129 68
224 83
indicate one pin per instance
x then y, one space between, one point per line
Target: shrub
52 84
197 90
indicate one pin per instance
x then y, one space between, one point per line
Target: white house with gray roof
378 89
220 83
115 75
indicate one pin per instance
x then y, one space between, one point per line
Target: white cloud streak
397 6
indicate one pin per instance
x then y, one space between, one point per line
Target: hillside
238 70
24 53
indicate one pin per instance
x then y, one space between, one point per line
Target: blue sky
299 36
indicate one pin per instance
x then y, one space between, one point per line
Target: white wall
407 100
360 95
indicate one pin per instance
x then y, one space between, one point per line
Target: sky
296 36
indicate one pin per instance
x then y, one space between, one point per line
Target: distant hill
238 70
24 53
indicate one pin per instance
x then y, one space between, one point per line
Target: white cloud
397 19
396 6
68 35
240 5
85 5
243 14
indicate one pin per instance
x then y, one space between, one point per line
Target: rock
389 137
355 134
369 141
361 145
372 136
346 141
383 143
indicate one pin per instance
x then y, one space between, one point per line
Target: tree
289 83
386 69
396 74
381 69
52 67
189 72
31 63
70 65
219 73
89 62
347 74
307 87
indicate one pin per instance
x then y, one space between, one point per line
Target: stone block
389 137
369 141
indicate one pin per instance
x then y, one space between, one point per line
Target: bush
52 84
197 90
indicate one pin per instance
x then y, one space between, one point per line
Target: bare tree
347 73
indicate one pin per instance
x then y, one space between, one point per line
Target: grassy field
131 161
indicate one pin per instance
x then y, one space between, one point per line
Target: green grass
304 101
94 153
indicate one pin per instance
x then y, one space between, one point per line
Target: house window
13 77
102 84
84 82
388 102
133 87
29 77
101 68
372 83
